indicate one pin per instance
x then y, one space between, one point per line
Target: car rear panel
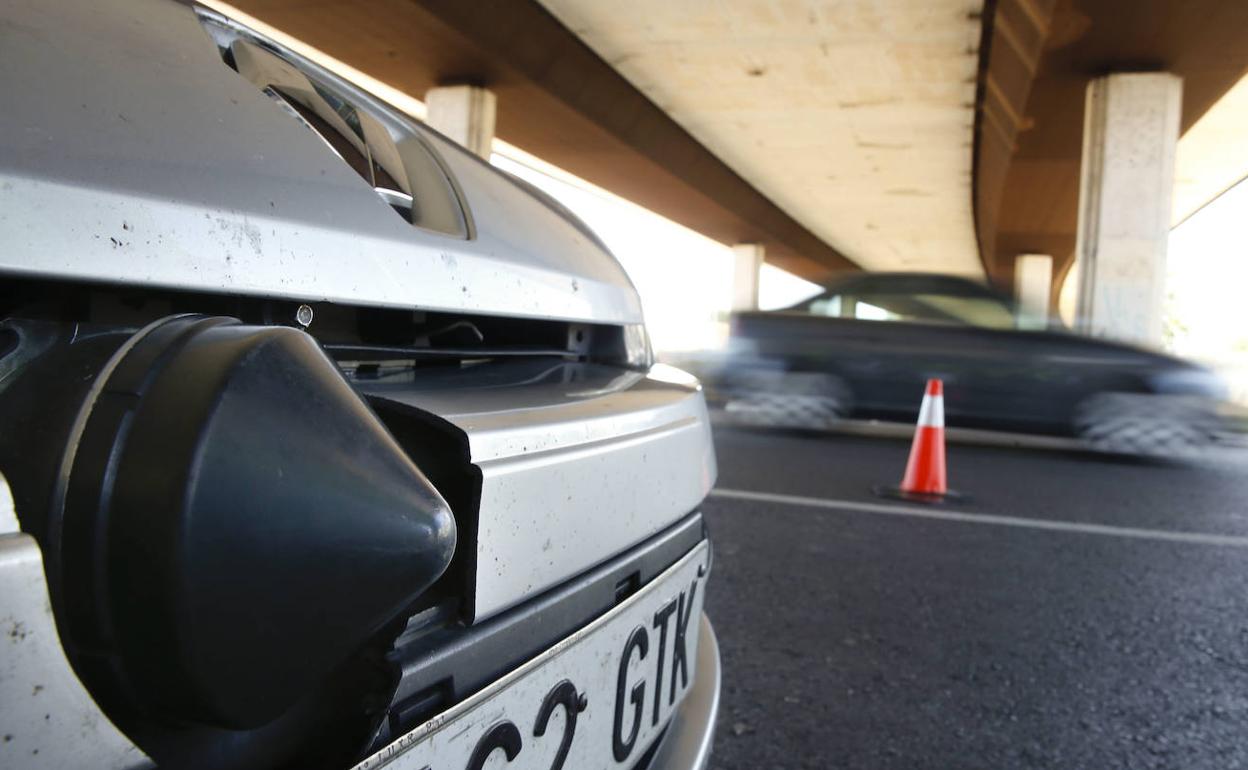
143 159
154 187
578 463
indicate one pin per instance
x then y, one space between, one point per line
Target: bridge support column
1130 130
464 114
1033 283
747 262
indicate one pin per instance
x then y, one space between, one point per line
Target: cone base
930 498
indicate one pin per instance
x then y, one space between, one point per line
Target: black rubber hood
236 523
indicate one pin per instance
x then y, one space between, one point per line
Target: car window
397 164
984 312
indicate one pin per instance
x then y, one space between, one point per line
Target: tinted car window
984 312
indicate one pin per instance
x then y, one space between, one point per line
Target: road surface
1078 611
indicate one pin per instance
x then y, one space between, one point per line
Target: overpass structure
963 136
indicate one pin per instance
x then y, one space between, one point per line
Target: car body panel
44 702
108 167
136 167
563 449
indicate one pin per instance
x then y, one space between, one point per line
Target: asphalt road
860 637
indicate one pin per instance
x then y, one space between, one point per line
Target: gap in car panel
386 151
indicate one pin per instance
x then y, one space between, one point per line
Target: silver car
324 443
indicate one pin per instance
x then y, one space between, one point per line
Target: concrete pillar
1033 283
747 262
464 114
1131 127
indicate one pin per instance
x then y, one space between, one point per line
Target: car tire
805 400
1144 424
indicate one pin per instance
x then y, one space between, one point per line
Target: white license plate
597 699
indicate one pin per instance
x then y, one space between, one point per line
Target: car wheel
1144 424
809 400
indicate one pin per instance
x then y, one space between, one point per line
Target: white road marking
941 514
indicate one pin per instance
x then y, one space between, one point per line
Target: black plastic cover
237 522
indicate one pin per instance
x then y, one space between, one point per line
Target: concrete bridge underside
1041 56
881 134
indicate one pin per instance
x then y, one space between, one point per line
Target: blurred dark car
864 347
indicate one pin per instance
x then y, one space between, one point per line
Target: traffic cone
924 480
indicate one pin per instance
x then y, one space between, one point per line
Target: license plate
597 699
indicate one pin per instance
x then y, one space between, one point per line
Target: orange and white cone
924 480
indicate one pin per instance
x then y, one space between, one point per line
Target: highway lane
854 637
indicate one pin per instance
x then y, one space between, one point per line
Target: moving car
864 346
323 443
